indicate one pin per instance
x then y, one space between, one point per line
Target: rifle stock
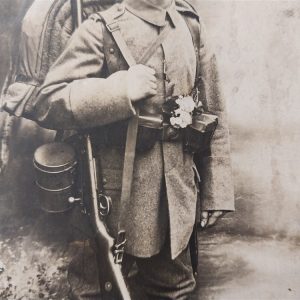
112 283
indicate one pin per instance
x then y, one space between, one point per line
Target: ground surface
248 268
232 267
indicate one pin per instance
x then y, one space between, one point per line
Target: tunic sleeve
215 168
73 94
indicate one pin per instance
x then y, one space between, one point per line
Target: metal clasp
112 27
119 247
105 204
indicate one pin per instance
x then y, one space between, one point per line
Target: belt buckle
169 133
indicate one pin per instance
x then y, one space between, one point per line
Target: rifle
109 252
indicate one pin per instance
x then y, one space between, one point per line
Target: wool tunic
83 90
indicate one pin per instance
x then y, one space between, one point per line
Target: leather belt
155 122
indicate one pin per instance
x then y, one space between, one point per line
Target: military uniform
87 88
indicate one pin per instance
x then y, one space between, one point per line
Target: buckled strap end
112 27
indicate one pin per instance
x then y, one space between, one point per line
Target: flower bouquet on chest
186 114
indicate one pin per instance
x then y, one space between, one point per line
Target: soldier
91 87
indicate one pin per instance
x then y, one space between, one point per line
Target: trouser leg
164 278
83 274
160 277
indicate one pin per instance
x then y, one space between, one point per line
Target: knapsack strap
155 44
113 27
132 128
194 27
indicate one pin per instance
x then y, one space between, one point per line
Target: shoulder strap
112 25
194 27
131 137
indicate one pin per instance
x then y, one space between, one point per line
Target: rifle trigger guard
105 204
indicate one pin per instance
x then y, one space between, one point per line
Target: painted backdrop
258 47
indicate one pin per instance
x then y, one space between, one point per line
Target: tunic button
120 8
111 50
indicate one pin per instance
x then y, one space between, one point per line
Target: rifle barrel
77 14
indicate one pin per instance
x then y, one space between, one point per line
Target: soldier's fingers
149 77
142 69
151 92
153 79
212 221
204 214
153 85
204 218
217 213
149 70
214 217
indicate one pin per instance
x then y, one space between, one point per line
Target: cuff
98 101
216 188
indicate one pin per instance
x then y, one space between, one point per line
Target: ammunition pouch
198 135
152 128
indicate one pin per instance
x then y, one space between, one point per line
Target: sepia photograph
149 149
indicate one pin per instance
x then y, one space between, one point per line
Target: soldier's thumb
203 219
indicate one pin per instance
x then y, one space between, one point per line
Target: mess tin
55 168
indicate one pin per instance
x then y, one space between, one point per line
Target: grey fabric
165 279
46 29
82 274
158 277
78 93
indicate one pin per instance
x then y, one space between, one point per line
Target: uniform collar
151 13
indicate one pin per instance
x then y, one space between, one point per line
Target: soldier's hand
141 82
210 217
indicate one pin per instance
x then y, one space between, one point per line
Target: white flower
186 103
178 112
176 122
181 120
186 118
179 101
182 116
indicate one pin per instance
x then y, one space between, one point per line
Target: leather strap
132 129
113 27
194 27
155 44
